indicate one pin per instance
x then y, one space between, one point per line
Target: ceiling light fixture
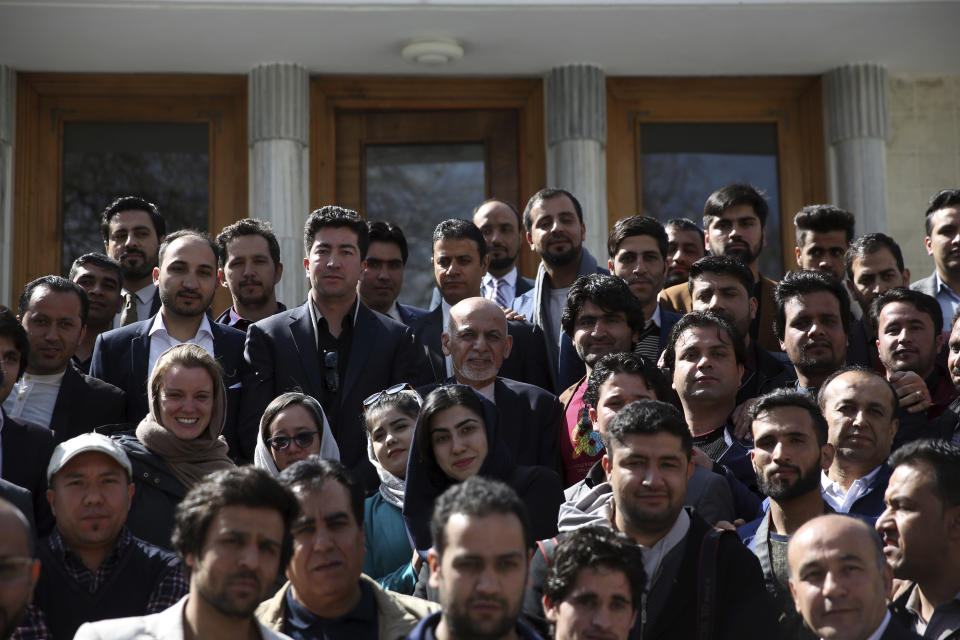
432 51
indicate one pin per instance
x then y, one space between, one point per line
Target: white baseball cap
66 451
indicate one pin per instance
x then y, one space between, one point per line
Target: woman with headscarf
293 427
456 438
179 441
389 419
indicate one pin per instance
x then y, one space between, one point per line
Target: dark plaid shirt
171 586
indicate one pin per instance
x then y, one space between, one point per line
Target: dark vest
124 593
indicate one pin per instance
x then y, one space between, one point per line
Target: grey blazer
928 285
166 625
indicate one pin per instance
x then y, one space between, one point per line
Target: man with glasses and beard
790 450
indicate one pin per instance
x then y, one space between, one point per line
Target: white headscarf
263 459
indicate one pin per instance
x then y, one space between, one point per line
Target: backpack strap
707 582
547 548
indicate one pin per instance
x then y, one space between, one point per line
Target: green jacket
397 614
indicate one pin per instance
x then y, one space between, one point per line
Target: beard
675 277
807 481
169 301
137 271
504 262
561 259
254 301
229 606
462 626
746 255
812 367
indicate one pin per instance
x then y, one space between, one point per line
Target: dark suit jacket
26 452
677 299
527 361
85 403
529 418
121 357
870 506
410 315
281 352
22 500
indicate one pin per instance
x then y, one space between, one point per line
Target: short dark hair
440 399
921 301
337 217
97 259
477 497
593 547
610 293
798 283
507 204
285 401
313 472
703 319
686 224
941 200
870 243
383 231
629 363
11 328
822 218
637 226
457 229
248 227
856 368
943 457
132 203
548 193
791 398
245 486
732 195
725 265
189 233
58 284
647 418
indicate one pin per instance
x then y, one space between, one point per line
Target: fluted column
858 125
8 117
576 116
279 164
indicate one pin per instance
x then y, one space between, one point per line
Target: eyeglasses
331 379
13 568
303 440
402 387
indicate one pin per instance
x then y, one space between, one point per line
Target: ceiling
675 37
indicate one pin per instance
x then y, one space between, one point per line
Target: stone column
576 116
279 164
8 118
858 126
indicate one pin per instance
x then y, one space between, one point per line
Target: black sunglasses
331 379
303 439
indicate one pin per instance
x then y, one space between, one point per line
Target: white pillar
576 117
8 117
858 125
279 164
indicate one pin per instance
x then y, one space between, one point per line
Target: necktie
499 292
129 313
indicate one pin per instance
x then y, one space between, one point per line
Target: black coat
85 403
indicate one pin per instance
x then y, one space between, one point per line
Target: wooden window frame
46 101
794 104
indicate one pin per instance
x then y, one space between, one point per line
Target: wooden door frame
45 101
793 103
331 93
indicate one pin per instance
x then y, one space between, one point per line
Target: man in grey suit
943 244
233 532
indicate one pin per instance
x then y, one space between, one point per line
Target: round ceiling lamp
432 51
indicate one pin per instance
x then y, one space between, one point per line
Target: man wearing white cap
92 568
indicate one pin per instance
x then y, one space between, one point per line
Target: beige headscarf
190 460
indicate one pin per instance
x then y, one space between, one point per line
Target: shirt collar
831 486
60 548
143 294
159 326
299 617
509 276
943 287
316 315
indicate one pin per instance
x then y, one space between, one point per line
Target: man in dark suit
52 393
459 261
734 221
132 230
250 268
501 226
477 341
942 217
840 580
331 347
187 281
382 276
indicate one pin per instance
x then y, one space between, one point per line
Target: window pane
683 164
417 186
168 164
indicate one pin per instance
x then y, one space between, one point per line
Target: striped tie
499 289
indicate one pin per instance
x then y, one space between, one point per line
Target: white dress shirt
33 398
840 500
160 340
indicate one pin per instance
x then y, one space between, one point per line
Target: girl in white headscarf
293 427
389 419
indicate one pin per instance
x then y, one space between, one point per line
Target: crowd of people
669 445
